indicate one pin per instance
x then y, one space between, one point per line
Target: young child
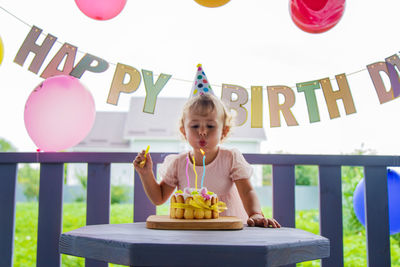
204 124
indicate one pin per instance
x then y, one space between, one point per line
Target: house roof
162 124
116 129
107 131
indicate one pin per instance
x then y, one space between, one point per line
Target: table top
134 244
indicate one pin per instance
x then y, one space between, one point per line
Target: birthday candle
204 166
143 162
194 169
187 174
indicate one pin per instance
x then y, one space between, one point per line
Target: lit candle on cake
204 166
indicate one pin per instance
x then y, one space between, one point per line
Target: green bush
267 175
119 194
350 178
305 175
28 178
82 179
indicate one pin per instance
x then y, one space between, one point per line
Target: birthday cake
192 203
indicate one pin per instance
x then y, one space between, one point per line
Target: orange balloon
212 3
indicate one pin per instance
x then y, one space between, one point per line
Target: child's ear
225 131
182 129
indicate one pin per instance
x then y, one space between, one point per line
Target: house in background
134 130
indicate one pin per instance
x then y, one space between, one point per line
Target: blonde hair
204 104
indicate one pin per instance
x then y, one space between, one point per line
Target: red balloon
316 16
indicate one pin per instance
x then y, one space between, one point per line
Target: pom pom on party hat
200 83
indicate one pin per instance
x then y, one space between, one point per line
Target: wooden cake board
164 222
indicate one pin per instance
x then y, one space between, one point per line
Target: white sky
252 42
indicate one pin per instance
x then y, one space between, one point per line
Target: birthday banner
234 96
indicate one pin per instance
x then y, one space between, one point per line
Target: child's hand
148 163
258 219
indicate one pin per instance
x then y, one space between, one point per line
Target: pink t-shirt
220 176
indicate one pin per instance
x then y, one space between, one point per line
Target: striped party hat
200 84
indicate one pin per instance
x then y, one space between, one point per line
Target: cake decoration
195 173
194 203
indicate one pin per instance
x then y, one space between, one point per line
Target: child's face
203 131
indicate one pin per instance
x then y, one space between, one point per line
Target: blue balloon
393 199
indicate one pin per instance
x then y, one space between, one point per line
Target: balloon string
37 154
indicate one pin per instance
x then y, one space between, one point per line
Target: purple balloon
393 180
59 113
101 9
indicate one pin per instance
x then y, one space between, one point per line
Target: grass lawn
74 216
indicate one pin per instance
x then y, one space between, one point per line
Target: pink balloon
59 113
101 9
316 16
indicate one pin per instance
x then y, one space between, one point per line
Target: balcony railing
283 207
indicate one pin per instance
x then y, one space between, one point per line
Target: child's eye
194 126
210 126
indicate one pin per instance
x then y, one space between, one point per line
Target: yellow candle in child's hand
143 162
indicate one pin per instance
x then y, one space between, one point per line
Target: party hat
200 84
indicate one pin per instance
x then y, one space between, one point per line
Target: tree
306 175
29 177
6 146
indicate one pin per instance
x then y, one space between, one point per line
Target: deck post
8 182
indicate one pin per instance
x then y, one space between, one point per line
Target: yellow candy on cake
179 211
195 204
189 212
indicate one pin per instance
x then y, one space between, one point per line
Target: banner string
172 78
42 33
